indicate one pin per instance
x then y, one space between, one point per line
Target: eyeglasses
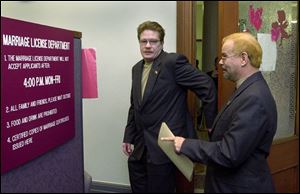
224 57
151 42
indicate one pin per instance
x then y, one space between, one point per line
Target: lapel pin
156 72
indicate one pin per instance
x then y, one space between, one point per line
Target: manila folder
183 163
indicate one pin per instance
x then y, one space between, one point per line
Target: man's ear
245 58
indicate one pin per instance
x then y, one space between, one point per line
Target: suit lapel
137 81
244 86
224 108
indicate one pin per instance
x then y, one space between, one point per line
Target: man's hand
177 142
127 148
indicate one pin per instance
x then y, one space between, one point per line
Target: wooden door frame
225 87
284 155
186 44
186 39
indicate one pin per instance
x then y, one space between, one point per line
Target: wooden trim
297 118
105 187
228 24
186 45
186 35
286 181
77 34
284 164
186 40
283 154
297 103
284 140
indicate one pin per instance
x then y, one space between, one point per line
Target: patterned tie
146 70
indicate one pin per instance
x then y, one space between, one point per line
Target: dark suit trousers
146 177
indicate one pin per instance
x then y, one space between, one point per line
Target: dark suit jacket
240 141
165 100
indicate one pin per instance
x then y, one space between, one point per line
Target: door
186 45
284 155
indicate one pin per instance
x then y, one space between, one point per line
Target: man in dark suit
160 82
243 131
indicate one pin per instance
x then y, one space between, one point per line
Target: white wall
110 27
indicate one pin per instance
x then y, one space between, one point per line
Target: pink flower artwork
255 17
275 33
278 27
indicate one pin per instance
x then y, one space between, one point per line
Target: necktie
146 70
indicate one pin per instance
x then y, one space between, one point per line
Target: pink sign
89 73
37 90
